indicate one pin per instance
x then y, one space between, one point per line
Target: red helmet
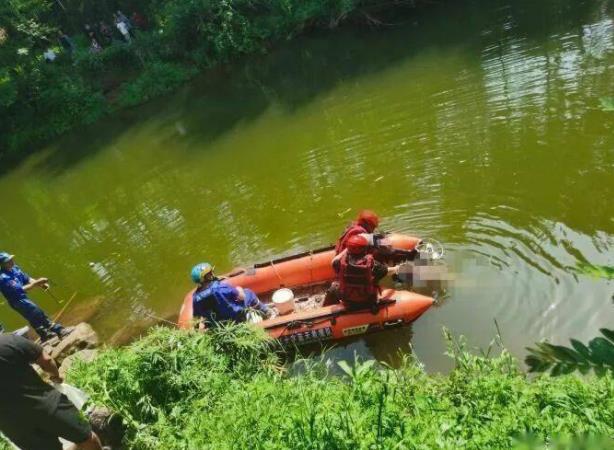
357 244
369 218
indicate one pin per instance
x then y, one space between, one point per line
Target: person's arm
381 242
27 352
381 270
394 270
34 282
46 363
370 237
240 294
28 282
337 260
252 301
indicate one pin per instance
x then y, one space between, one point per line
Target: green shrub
50 103
157 78
598 356
4 445
223 389
92 65
8 89
67 102
182 34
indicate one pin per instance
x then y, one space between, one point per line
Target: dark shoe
45 335
64 331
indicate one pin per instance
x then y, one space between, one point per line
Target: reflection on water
476 123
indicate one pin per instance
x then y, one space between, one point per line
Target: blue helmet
199 271
5 257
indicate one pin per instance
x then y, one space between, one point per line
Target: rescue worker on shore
14 285
216 300
358 274
32 413
366 222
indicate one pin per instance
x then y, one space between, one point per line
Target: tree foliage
598 356
181 35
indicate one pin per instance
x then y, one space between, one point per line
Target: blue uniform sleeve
226 292
10 288
252 301
23 277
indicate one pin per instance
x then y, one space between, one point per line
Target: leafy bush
116 57
8 89
157 78
182 34
223 389
597 356
67 102
4 445
50 103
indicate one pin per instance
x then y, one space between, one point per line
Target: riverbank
176 41
228 388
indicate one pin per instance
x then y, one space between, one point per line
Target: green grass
227 389
3 444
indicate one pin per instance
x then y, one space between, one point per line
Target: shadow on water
297 72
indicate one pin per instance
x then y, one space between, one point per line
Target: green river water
477 123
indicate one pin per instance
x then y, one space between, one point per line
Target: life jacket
356 281
353 229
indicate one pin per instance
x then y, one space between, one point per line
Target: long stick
55 319
53 296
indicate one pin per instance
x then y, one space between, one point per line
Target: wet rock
108 426
87 355
82 337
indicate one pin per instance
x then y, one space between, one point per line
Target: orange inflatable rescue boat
309 274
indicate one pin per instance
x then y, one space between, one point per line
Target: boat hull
337 322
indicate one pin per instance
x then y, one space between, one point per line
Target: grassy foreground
227 389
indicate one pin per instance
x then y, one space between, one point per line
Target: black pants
42 432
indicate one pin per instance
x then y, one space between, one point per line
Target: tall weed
224 389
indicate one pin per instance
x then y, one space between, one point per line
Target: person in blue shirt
216 300
14 285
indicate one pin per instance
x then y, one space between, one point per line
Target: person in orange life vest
366 222
358 273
